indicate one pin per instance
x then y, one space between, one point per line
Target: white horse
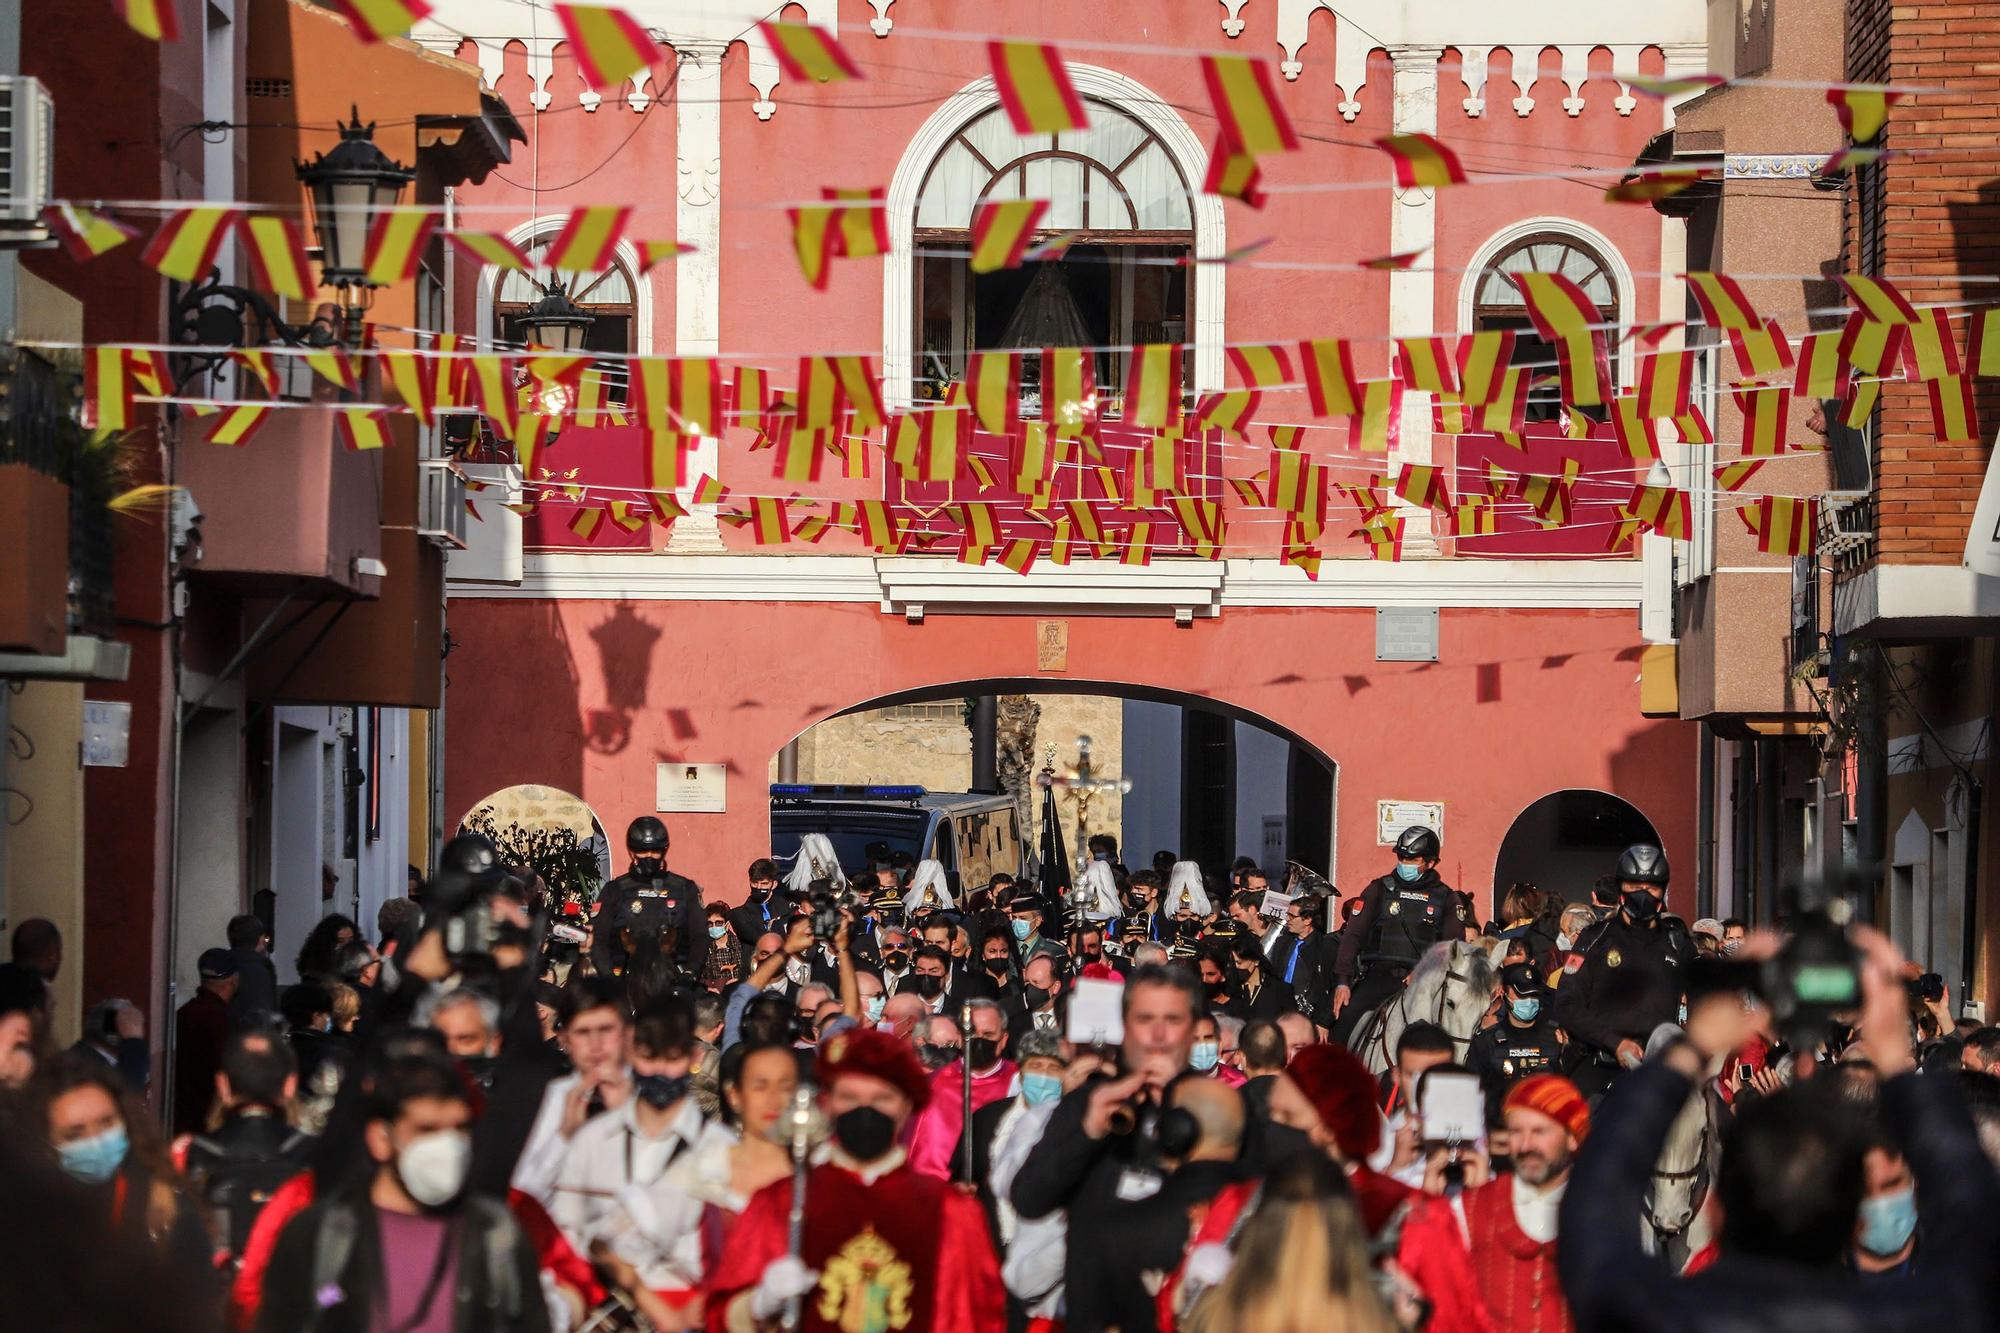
1452 986
1681 1179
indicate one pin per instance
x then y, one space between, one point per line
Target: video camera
1813 978
461 895
824 904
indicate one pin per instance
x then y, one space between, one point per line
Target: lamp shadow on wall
625 645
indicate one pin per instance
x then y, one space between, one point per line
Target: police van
974 835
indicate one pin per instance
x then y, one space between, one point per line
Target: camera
824 905
1929 988
1813 978
461 894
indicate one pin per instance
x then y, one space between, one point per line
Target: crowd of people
873 1098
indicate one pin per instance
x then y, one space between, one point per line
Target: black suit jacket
1312 977
748 920
1020 1022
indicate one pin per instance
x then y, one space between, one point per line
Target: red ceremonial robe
1516 1274
905 1254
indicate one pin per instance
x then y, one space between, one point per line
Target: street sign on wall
1392 817
691 789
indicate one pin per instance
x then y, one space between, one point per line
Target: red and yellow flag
588 239
1635 430
185 246
1767 414
1039 459
1724 305
256 363
1233 174
1203 522
1331 384
993 387
1666 510
375 20
1735 476
1261 365
278 256
1019 554
861 231
1423 485
586 521
1666 383
1153 386
1822 373
1422 161
1035 88
1427 364
813 229
107 390
85 234
396 244
805 52
1306 558
1472 517
1879 299
491 248
1373 426
1395 262
609 45
413 376
1657 183
654 253
1762 354
1783 524
1565 317
1248 113
1930 349
1001 229
801 451
1982 343
666 459
1228 410
238 424
1135 548
1954 419
362 428
333 365
1384 540
924 446
1483 359
151 19
1863 109
1069 391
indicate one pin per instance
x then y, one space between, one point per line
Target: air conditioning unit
441 516
27 158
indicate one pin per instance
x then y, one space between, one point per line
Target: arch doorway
548 828
1564 841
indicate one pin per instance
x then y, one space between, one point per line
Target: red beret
1555 1097
877 1054
1343 1092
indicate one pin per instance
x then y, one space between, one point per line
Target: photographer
1790 1183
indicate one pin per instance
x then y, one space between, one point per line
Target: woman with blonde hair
1300 1261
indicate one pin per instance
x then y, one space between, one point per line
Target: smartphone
1743 1072
1452 1106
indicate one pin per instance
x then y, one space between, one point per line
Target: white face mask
432 1166
1564 941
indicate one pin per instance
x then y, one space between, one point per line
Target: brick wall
1922 222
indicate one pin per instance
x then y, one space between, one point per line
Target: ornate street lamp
555 321
351 186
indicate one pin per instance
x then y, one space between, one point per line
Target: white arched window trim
1514 233
532 233
1129 96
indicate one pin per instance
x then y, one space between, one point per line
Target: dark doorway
1309 811
1208 788
1564 841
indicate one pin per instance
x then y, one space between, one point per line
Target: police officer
1525 1041
1402 914
649 900
1625 975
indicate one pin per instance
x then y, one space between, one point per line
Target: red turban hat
1343 1092
1555 1097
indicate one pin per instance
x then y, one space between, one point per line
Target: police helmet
1417 843
646 834
1643 864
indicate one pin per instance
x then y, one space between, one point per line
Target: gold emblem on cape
1395 909
1613 958
637 906
865 1288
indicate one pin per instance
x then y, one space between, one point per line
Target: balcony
1903 601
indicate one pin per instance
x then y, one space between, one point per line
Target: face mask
996 966
1641 907
1888 1221
1408 872
1563 942
1022 928
934 1056
1040 1089
864 1133
432 1167
648 865
928 986
1205 1054
1525 1010
658 1090
984 1052
1730 946
1093 955
873 1007
1035 996
96 1159
895 960
758 895
717 932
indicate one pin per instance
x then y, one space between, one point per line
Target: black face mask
895 960
1641 907
928 986
983 1051
758 895
864 1133
659 1091
1036 996
1093 955
934 1056
996 966
648 864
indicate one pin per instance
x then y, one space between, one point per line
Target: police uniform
1620 981
660 904
1506 1053
1399 919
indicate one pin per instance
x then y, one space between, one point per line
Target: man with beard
879 1239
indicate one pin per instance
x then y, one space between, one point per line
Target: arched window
1497 303
607 297
1115 186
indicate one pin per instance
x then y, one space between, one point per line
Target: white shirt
1535 1209
611 1153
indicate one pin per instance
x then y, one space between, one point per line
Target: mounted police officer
1625 975
649 901
1402 914
1525 1041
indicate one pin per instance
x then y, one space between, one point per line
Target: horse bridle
1700 1164
1380 1036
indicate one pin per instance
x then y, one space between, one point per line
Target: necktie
1298 947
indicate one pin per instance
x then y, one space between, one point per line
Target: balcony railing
38 429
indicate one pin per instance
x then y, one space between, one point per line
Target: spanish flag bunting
1001 230
1783 524
1724 305
665 509
976 519
1136 546
1248 113
588 239
1634 429
860 390
1483 360
586 521
1871 345
1233 174
1500 483
862 229
805 52
1261 365
1423 161
1549 497
1108 487
256 363
396 242
627 514
277 256
1666 383
1384 540
1672 85
1954 419
1472 518
1565 317
1735 476
1247 490
1427 364
1762 355
375 20
1019 554
1577 423
812 240
1624 531
362 428
1651 334
1930 350
993 387
1766 415
1860 403
1667 510
770 520
971 554
1982 342
1449 416
819 397
185 246
452 372
1154 471
924 446
530 433
595 405
684 393
982 472
1304 528
154 20
1153 386
414 378
1290 474
492 386
1879 299
1822 372
1069 391
238 424
333 365
608 44
1394 262
1657 183
654 253
1287 437
1863 109
1036 459
1423 485
856 454
801 451
666 459
491 249
879 525
1306 558
546 367
1085 524
1230 410
85 234
1203 523
1373 427
1034 86
1332 387
1506 416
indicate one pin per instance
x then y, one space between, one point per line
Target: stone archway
1562 842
